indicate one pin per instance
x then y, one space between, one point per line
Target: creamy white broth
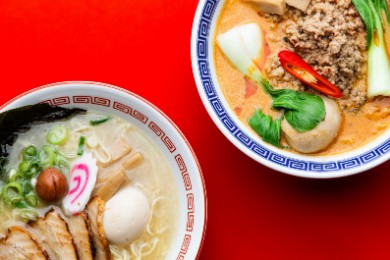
153 177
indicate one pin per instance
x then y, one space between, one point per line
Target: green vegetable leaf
99 121
302 110
80 150
365 12
374 14
266 127
28 214
58 135
381 5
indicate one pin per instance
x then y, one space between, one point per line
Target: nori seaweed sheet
15 121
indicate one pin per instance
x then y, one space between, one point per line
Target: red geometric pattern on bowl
184 173
92 100
122 108
181 163
191 212
138 115
101 101
184 247
187 181
129 110
190 205
163 137
58 101
160 133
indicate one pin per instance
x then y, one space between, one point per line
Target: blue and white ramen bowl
320 167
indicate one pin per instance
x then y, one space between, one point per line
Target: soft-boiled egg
126 215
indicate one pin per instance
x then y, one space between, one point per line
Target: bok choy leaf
266 127
376 17
303 111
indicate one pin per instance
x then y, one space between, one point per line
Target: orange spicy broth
358 128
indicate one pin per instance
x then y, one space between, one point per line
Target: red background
144 46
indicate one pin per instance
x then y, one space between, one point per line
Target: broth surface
153 177
358 127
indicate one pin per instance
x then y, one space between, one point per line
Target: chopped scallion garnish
95 122
31 199
47 156
80 151
28 214
12 192
58 135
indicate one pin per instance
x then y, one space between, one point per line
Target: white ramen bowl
159 129
202 50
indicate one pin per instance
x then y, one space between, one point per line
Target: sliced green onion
12 172
29 152
95 122
80 151
58 135
47 156
19 203
16 177
27 187
25 166
31 199
34 170
12 191
62 164
28 214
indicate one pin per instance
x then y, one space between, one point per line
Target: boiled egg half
126 215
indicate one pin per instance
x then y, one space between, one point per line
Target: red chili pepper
297 67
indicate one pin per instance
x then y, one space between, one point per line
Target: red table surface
144 46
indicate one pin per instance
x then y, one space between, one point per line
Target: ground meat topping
332 38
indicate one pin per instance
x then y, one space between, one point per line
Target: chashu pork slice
19 245
78 227
53 233
95 211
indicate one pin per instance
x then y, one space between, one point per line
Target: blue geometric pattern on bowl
213 98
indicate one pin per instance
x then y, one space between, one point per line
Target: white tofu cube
299 4
270 6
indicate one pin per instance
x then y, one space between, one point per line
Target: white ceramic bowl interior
160 129
358 160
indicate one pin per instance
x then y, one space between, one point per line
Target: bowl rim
315 167
156 109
